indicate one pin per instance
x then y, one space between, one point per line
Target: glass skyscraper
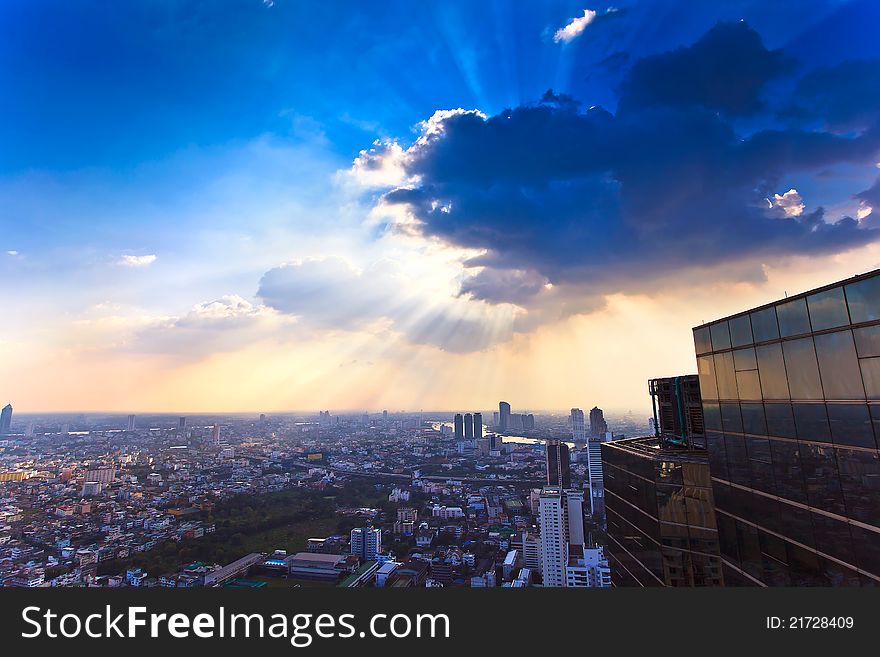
658 496
791 405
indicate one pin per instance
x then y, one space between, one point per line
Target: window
787 471
851 425
764 324
802 369
858 472
702 341
793 319
839 366
720 336
771 368
708 385
867 341
780 420
725 376
711 416
753 419
748 385
740 331
863 299
828 309
871 376
730 418
745 359
821 478
811 421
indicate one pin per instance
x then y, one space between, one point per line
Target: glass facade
660 515
791 400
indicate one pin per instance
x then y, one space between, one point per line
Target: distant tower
598 426
5 419
478 426
468 426
262 417
29 432
558 464
131 423
215 434
181 424
459 427
503 415
385 417
578 428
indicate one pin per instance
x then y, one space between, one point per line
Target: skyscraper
790 399
558 464
561 518
131 423
181 424
598 426
5 419
578 429
459 427
468 426
366 542
503 415
478 426
215 434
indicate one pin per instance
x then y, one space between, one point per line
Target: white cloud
575 27
12 253
136 261
791 203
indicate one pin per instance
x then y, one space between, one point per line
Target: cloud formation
555 194
331 293
575 27
136 260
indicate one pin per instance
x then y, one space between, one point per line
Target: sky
255 205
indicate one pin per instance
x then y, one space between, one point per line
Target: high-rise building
458 422
598 426
478 426
658 500
578 429
215 434
366 542
558 464
503 415
5 419
587 568
596 482
561 518
181 424
468 426
790 400
528 421
131 423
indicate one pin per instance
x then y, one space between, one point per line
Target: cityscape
761 470
439 295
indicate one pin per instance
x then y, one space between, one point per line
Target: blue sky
183 182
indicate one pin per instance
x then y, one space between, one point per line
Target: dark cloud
554 193
844 97
725 70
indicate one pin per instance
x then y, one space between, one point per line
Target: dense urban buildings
791 398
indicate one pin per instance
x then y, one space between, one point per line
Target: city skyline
255 207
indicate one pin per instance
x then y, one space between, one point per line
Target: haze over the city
232 206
